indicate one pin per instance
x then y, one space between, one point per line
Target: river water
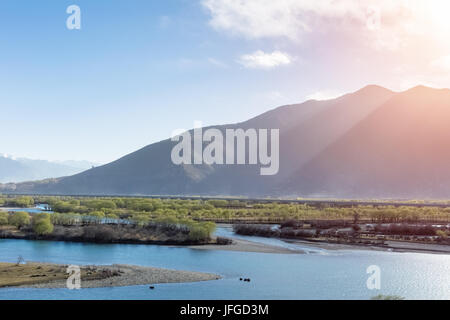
320 274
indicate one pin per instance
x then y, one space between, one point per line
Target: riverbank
240 245
336 235
49 276
105 234
248 246
391 246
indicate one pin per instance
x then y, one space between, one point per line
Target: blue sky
137 70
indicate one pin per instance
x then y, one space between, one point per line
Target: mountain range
23 169
372 143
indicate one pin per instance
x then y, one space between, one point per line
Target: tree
440 233
22 202
19 219
355 217
198 232
210 227
97 214
3 218
42 224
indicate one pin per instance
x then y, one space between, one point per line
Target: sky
138 70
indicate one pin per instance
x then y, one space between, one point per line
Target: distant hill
22 169
370 143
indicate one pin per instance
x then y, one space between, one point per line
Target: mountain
369 143
22 169
400 150
13 171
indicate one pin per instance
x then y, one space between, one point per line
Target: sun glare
439 12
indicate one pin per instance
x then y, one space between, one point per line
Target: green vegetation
42 224
3 218
19 219
171 217
196 217
143 210
442 234
21 202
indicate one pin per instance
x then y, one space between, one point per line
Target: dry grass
12 275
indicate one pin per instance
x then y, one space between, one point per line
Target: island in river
45 275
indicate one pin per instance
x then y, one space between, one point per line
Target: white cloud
261 60
289 18
381 23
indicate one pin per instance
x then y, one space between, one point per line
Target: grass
12 274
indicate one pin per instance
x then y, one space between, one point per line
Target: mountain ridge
17 170
327 148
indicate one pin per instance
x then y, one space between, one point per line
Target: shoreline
392 246
247 245
240 245
75 234
32 275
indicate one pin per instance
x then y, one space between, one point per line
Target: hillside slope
401 150
370 143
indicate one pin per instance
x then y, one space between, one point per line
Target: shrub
440 233
209 226
198 232
404 229
97 214
255 230
223 241
42 224
22 202
98 233
3 218
19 219
289 224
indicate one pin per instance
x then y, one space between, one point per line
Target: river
321 274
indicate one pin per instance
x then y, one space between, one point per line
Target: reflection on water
37 209
227 232
341 275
